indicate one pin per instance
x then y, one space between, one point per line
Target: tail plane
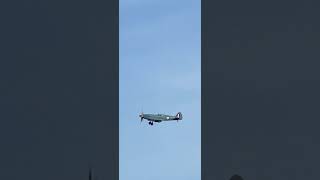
179 116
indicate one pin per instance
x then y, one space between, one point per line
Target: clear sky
160 72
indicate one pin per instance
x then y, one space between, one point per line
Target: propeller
141 115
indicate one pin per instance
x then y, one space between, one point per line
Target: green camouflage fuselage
161 117
158 117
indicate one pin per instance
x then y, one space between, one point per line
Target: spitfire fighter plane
160 117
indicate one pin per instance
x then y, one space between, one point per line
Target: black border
260 89
59 76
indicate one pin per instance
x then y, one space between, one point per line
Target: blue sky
160 72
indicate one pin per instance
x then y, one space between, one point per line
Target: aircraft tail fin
179 116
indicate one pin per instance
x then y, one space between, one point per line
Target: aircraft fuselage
160 117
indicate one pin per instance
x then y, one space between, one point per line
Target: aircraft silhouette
160 117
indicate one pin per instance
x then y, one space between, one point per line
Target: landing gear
151 123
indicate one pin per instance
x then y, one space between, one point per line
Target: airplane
160 117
